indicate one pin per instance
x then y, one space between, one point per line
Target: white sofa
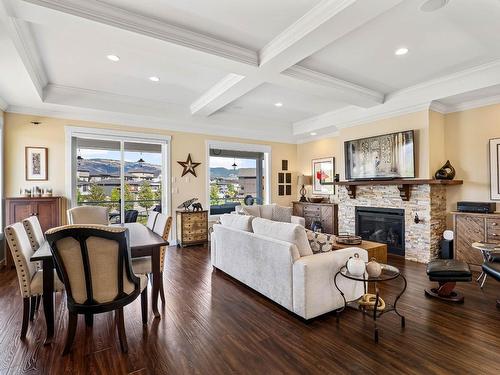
265 211
274 268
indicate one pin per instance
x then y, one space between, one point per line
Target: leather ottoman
447 272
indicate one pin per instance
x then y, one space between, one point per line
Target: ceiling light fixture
154 79
314 133
401 51
433 5
113 58
279 104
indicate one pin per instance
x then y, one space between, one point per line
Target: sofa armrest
298 220
314 291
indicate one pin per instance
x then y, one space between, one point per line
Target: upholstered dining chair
88 215
28 273
34 231
152 219
143 266
95 264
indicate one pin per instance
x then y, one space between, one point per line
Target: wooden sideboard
192 228
472 227
326 213
48 211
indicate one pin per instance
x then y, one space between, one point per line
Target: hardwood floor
214 325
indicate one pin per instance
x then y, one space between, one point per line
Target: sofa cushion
251 210
241 222
266 211
320 242
292 233
282 214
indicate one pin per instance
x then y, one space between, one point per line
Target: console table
325 213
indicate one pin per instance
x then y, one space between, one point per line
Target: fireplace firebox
385 225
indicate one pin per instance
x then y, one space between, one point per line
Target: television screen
384 156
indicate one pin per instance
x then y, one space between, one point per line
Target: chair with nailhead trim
29 276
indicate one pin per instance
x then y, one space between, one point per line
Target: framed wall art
36 163
323 170
494 169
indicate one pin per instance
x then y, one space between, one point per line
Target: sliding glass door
126 174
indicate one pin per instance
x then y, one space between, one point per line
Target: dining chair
151 219
131 216
29 275
143 266
88 215
95 264
34 231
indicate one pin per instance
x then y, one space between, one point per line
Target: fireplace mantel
402 184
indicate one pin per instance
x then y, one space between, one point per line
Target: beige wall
19 133
418 121
467 141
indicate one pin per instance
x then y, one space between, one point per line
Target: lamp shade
304 180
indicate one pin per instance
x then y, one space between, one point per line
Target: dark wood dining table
143 242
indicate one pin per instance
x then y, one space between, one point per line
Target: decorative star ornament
189 165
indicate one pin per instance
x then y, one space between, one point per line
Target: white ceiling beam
412 99
320 84
103 13
22 38
91 105
322 25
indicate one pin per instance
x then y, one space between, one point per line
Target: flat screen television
386 156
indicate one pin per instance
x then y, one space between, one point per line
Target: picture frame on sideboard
494 169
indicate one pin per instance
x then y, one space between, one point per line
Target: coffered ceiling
274 70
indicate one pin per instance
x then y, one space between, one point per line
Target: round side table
388 273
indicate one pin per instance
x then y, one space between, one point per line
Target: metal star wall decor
189 165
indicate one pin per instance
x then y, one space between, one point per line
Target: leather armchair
492 268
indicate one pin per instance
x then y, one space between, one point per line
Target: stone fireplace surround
426 200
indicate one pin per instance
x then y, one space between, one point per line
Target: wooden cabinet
471 227
192 228
48 211
326 213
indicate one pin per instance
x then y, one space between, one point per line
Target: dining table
143 243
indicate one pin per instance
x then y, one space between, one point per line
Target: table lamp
303 181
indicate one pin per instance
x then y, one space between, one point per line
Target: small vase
446 172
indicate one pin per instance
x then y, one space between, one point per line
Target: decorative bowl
315 199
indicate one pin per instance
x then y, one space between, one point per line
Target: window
125 173
237 175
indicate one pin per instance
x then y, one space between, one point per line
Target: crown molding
22 37
439 107
471 104
352 116
348 91
215 91
151 122
101 12
306 24
3 104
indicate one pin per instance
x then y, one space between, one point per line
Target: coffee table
388 273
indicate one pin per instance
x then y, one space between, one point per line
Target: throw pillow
282 214
320 242
292 233
251 210
241 222
266 211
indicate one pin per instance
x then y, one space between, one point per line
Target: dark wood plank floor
214 325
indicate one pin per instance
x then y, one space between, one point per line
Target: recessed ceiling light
113 58
154 79
401 51
314 133
279 104
433 5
